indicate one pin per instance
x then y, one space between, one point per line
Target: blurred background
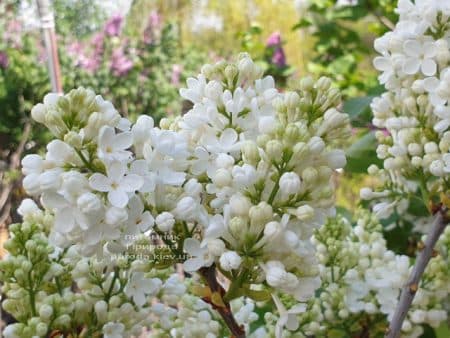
138 53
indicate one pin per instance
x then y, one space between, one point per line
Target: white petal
382 63
118 198
193 264
100 182
292 322
123 140
172 178
442 126
131 182
429 67
228 137
116 170
411 66
53 200
147 221
412 48
64 221
106 136
139 167
430 84
429 49
192 247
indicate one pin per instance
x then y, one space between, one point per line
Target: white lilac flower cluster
361 282
233 189
265 161
414 113
56 291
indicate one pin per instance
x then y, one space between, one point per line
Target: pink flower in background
120 63
274 40
153 28
4 61
113 25
176 74
278 57
97 42
77 51
13 34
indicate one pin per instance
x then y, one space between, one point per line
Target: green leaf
361 154
443 331
359 110
302 24
428 332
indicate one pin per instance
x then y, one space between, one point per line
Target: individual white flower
138 218
113 330
118 184
419 57
230 260
287 318
141 168
200 255
111 146
138 287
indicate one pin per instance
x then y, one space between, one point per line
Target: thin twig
409 290
209 274
14 163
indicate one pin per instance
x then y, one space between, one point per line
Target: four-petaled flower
117 183
138 287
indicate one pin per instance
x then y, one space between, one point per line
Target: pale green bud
299 151
45 312
63 320
307 83
260 214
208 71
291 99
304 212
230 73
237 227
274 150
250 152
310 175
41 329
73 139
323 84
305 104
38 113
26 266
291 133
101 310
115 301
165 123
262 140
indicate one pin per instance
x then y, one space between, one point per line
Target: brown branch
410 288
224 309
14 164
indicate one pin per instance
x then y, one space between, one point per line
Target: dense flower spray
233 190
413 114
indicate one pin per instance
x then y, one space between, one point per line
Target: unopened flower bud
304 212
230 260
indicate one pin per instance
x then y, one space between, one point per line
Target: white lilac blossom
361 282
413 113
236 186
